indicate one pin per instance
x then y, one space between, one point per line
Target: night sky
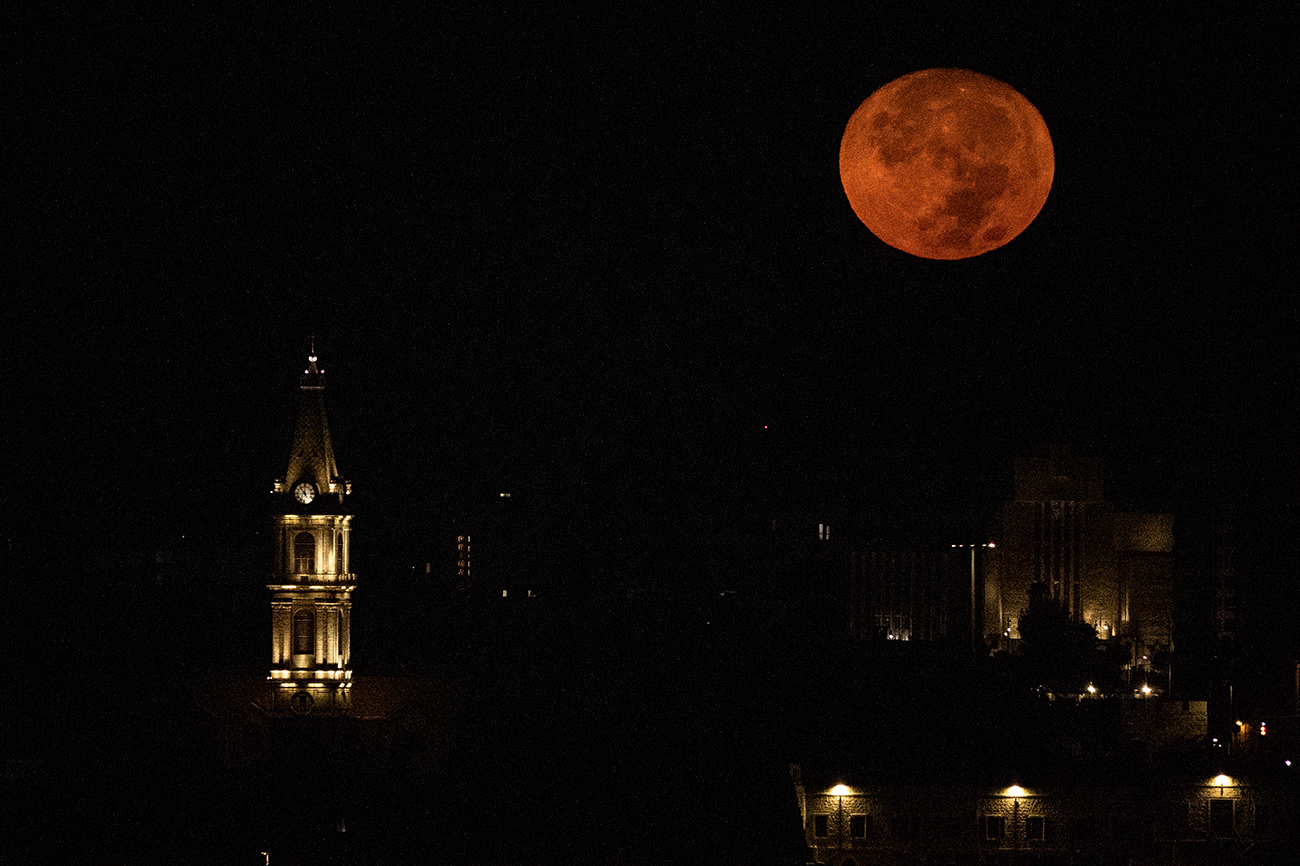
617 254
608 264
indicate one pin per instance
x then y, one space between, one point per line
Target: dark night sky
608 264
612 259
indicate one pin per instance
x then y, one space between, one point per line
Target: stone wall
1143 823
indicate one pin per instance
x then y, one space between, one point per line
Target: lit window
824 532
304 553
304 632
821 826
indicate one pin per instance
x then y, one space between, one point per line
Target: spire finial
311 377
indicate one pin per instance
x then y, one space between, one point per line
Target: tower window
304 632
304 553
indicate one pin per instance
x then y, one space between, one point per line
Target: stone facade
1139 822
1111 569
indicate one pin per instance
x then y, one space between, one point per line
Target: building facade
1145 820
1112 570
898 592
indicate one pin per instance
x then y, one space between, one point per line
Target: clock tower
311 583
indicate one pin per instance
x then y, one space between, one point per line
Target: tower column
280 632
345 632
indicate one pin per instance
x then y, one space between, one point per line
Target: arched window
304 631
304 553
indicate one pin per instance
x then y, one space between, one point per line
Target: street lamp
1015 792
839 791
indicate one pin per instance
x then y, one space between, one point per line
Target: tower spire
312 583
312 471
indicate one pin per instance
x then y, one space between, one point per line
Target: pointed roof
311 455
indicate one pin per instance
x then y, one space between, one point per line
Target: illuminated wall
1204 821
1112 570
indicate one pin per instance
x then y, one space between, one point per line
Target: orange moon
946 163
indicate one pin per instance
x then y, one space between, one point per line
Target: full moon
946 163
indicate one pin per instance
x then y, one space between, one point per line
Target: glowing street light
1015 792
839 791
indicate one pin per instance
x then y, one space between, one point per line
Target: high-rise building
898 591
1113 570
311 582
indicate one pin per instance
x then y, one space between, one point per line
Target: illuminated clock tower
311 585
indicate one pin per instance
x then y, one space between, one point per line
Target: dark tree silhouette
1059 651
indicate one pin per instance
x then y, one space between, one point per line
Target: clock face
304 492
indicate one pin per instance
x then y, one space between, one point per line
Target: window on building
304 631
463 554
824 532
1221 817
995 826
821 826
1035 827
859 826
304 553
